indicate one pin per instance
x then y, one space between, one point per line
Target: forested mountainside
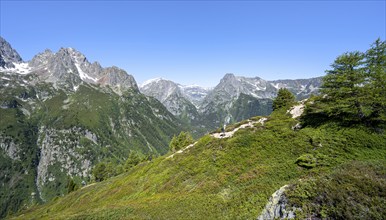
61 115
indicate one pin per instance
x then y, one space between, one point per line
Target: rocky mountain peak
71 53
161 89
8 55
229 77
116 77
41 58
70 67
171 95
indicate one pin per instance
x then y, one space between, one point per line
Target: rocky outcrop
9 147
8 56
277 208
60 148
297 110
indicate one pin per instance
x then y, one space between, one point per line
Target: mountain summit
70 67
173 97
8 56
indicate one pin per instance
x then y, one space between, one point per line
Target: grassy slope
219 178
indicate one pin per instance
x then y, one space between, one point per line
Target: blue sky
197 42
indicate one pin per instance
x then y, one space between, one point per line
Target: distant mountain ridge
162 88
235 98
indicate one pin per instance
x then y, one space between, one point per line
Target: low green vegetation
222 178
354 190
107 169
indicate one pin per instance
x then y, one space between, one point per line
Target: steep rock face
62 150
8 55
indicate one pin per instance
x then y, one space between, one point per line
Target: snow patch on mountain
150 81
20 68
84 75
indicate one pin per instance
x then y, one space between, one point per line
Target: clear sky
197 42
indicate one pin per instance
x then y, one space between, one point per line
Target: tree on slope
132 160
354 90
284 98
180 141
376 75
343 87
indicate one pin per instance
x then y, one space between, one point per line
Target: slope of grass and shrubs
334 163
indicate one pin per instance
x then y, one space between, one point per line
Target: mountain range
234 99
61 115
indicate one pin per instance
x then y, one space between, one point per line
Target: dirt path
182 150
228 134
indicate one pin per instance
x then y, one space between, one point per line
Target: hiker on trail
222 131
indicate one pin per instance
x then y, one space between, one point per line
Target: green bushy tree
180 141
71 185
284 98
103 171
132 160
376 76
343 87
354 90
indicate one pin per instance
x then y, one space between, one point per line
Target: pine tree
284 98
99 172
354 90
343 87
376 76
